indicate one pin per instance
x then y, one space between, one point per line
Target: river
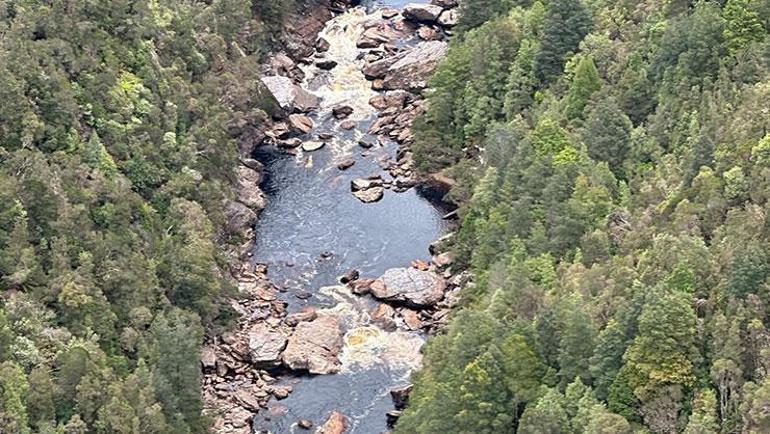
311 213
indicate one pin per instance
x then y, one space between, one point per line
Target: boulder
292 143
248 190
305 315
446 4
389 13
411 319
422 13
348 125
370 195
368 142
342 111
305 424
428 33
410 69
266 344
346 164
350 276
300 124
314 346
415 288
208 358
326 64
336 424
448 18
312 146
290 96
391 99
239 218
247 399
359 184
383 316
374 36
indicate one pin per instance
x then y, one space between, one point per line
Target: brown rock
374 36
342 111
348 125
411 319
428 33
300 124
383 316
314 346
346 164
306 314
247 399
336 424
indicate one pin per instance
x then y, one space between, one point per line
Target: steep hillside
613 162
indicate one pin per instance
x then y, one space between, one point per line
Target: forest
119 124
613 162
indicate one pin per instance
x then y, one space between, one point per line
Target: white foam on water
345 83
366 345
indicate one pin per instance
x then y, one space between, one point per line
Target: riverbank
338 141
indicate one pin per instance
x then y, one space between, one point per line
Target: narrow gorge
346 276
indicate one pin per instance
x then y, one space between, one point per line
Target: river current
314 230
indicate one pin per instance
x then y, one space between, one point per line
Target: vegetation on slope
613 160
117 147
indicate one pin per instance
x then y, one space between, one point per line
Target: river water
311 213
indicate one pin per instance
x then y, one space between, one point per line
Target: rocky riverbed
342 282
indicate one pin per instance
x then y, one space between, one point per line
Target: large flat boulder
410 69
409 286
315 346
421 12
290 97
266 344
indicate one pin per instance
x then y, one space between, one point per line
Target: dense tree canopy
117 147
614 211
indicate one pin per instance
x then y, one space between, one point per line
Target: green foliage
620 226
117 144
584 84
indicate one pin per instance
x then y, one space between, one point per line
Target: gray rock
266 344
374 36
370 195
359 184
312 146
239 218
410 69
290 97
208 358
248 190
409 286
315 346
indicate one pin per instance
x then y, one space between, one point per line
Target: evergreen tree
584 84
566 24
